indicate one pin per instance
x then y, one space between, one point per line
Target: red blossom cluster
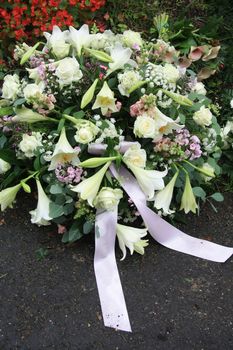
22 20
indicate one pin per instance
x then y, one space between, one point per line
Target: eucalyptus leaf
199 192
88 227
218 197
55 210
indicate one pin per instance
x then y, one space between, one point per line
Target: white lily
120 57
63 152
164 124
57 42
188 200
40 216
130 237
79 38
89 187
7 196
148 180
163 198
105 100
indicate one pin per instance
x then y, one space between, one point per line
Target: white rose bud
144 127
10 87
4 166
86 133
29 143
68 71
135 156
108 198
203 117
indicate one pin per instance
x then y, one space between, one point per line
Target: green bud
181 100
100 55
26 187
137 86
29 53
88 96
95 162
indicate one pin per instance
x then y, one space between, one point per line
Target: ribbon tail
111 295
163 232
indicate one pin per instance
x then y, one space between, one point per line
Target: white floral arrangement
104 123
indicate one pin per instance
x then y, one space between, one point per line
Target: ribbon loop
163 232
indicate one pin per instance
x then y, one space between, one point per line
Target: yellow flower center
105 101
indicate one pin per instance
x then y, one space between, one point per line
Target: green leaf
55 210
3 140
36 163
19 102
56 189
199 192
88 227
8 156
68 208
218 197
79 114
72 235
6 111
60 125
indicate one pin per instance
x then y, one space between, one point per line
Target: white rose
203 117
127 80
32 91
68 71
199 88
4 166
86 133
231 103
131 38
10 88
171 73
144 127
135 156
29 143
108 198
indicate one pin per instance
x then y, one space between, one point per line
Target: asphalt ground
175 301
